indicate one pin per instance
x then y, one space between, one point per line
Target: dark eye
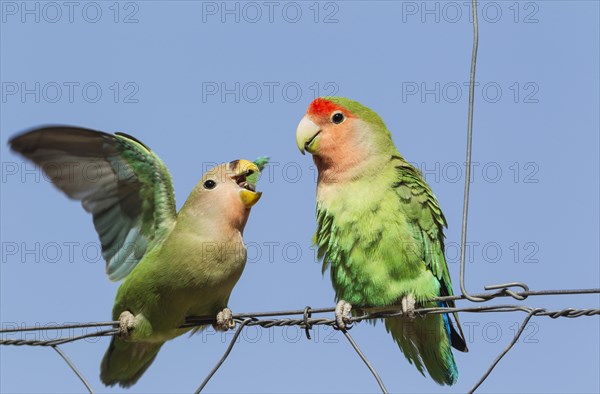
210 184
337 118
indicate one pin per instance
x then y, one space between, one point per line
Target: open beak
307 135
243 173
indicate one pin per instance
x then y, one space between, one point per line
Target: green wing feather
422 209
120 181
421 206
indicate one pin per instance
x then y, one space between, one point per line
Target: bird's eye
337 118
210 184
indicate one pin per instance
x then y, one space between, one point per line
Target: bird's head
233 183
340 133
229 190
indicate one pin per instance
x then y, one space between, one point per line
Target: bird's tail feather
457 338
425 342
125 362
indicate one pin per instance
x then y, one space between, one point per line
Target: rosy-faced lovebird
380 231
175 264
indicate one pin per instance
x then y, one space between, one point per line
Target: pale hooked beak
241 170
306 135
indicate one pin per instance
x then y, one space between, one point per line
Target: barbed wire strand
391 311
62 327
74 368
247 319
55 342
202 320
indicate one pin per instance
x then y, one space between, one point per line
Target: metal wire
74 369
506 350
224 357
465 214
366 361
272 319
300 322
391 311
54 342
307 325
468 160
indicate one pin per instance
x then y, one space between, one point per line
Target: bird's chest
216 262
353 217
363 239
197 268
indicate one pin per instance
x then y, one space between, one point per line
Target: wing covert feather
120 181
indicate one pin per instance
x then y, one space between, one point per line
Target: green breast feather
381 246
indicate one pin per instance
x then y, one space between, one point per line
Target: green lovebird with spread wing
175 264
380 230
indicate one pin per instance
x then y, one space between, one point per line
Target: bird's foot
408 306
126 324
342 314
224 320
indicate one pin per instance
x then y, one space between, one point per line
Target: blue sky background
534 211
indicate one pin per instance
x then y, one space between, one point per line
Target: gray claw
224 320
408 306
126 323
342 314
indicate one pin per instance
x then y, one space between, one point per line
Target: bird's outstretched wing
120 181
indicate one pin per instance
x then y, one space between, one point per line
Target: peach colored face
326 129
226 186
337 139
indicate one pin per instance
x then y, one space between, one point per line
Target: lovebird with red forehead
380 231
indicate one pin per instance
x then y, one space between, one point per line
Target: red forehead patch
322 106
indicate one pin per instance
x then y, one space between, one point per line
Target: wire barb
307 325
